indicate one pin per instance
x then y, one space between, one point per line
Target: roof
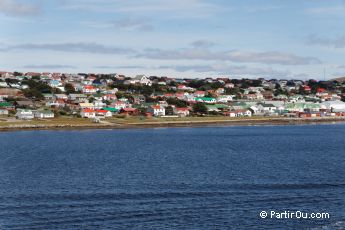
205 98
156 107
88 110
5 104
182 109
129 109
267 105
102 111
111 109
45 111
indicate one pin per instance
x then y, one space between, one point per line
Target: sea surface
173 178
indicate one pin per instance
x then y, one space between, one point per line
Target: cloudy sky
179 38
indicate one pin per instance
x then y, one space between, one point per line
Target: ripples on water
179 178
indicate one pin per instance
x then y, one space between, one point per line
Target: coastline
27 125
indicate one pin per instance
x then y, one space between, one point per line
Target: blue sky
180 38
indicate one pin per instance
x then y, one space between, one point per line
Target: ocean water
173 178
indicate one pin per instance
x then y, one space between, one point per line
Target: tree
177 102
69 88
200 108
33 93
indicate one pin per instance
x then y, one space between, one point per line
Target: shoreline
182 123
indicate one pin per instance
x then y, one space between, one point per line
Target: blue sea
173 178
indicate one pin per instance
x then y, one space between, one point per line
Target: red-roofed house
89 89
199 93
182 112
129 111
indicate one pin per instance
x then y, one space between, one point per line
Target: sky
283 39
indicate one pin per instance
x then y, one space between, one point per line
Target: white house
225 98
182 112
141 79
88 113
240 113
156 110
3 112
43 114
89 89
334 106
24 114
103 113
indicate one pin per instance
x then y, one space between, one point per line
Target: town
32 95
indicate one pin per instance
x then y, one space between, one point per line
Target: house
266 108
119 105
334 106
220 91
44 114
199 93
25 104
3 111
156 110
61 96
240 113
6 105
129 111
109 97
225 98
89 89
229 85
182 87
77 97
112 110
182 112
102 113
24 114
206 99
86 105
141 79
98 104
88 113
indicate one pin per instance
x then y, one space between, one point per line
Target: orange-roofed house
101 113
88 113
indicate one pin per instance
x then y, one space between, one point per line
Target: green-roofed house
112 110
209 100
6 105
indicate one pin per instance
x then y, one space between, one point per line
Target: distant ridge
340 79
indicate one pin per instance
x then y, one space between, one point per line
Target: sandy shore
27 125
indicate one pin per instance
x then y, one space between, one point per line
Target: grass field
61 122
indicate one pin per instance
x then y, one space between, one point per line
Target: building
44 114
24 114
156 110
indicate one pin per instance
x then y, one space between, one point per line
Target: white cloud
80 47
224 69
271 57
327 10
18 8
337 42
176 8
50 66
